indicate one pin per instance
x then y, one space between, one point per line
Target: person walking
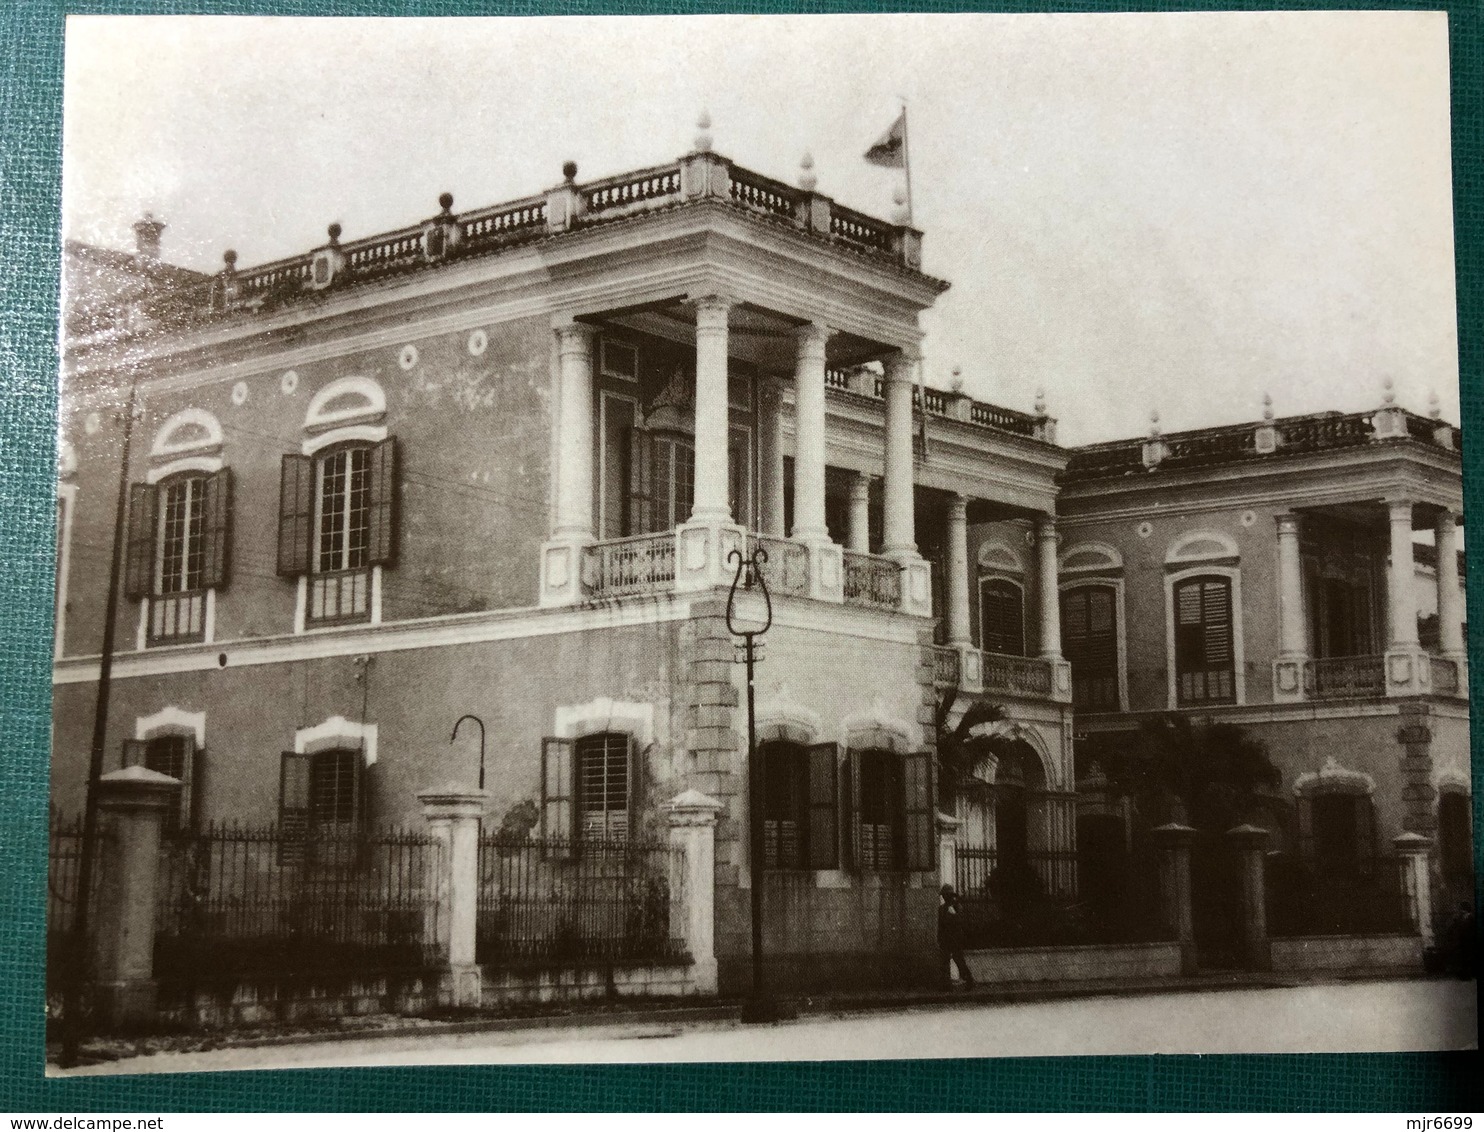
951 937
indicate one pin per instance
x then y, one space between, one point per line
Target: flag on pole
891 150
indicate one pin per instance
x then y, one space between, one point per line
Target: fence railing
1023 675
1345 677
64 866
1308 897
787 568
762 194
1006 420
872 581
639 564
624 192
235 900
579 901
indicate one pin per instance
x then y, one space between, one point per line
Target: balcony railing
1022 675
641 564
947 667
787 568
1345 678
872 581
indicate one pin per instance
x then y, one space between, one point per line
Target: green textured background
30 187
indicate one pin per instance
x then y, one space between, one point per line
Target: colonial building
500 463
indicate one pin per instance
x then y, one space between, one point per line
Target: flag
891 149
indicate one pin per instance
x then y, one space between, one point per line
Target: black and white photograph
757 538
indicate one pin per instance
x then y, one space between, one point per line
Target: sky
1178 212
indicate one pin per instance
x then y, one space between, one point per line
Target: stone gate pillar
1173 843
1250 844
1413 850
451 912
692 817
133 801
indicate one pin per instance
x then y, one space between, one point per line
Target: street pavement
1379 1016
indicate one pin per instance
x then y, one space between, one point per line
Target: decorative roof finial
1040 402
334 231
899 214
703 138
569 171
958 379
807 179
1153 424
1434 406
445 202
1388 398
229 257
1267 406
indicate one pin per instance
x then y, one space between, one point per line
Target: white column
901 536
1047 541
1293 632
770 457
957 569
711 502
1450 600
809 525
1402 578
859 537
574 456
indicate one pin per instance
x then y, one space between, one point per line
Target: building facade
502 463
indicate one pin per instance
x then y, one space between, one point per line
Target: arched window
1001 616
1089 641
1205 656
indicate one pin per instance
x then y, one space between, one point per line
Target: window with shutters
1089 640
1341 832
175 755
178 547
337 527
320 802
1002 616
1455 841
1205 656
603 786
785 805
892 811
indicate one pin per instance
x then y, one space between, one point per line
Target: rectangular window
879 799
1090 643
603 786
1205 669
174 756
340 589
1001 617
785 771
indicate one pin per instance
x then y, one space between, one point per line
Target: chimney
147 238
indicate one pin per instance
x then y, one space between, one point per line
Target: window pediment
995 555
188 431
346 400
1202 546
1086 557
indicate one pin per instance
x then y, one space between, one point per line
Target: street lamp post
760 1006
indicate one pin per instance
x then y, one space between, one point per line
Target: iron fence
1364 896
64 868
235 900
558 901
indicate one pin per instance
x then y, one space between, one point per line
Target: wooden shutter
384 488
824 807
217 545
293 806
187 780
918 837
1002 617
135 752
139 555
296 516
1216 617
558 789
853 766
638 485
636 790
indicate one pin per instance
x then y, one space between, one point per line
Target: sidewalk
577 1016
